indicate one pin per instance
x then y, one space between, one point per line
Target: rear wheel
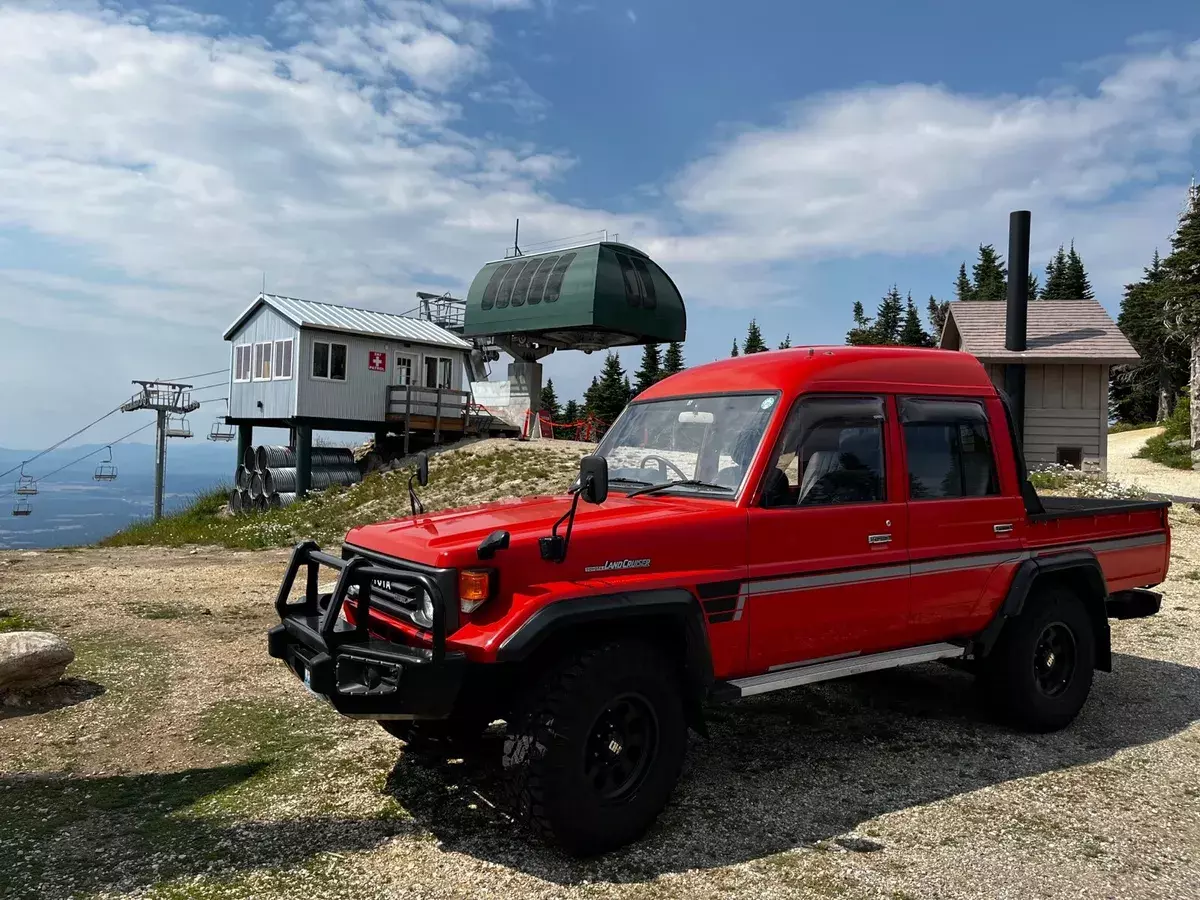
593 755
1039 674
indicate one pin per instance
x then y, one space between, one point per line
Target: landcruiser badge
618 564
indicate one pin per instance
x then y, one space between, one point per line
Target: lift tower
171 401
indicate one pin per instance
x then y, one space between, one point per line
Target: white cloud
631 15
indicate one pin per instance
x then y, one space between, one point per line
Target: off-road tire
1023 688
551 764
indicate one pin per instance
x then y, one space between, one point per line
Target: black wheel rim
620 747
1054 659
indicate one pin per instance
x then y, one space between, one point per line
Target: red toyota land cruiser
745 526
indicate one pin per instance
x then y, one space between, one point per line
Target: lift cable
63 441
199 374
107 446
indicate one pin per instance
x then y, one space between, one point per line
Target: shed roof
1062 331
350 320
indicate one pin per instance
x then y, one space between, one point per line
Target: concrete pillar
303 458
525 393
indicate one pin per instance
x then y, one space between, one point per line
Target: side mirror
593 479
423 469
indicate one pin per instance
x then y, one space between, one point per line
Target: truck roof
901 369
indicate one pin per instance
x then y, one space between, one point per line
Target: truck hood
445 538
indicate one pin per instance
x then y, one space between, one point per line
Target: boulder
30 660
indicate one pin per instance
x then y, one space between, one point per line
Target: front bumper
361 676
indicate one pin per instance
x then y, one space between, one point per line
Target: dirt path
1125 467
191 765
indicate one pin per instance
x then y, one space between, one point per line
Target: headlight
424 617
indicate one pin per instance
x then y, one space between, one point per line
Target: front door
405 369
828 571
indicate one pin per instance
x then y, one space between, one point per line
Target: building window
283 360
404 369
438 372
262 361
329 361
949 452
242 362
1071 456
831 452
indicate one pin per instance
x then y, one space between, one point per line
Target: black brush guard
362 676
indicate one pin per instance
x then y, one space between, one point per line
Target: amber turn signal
474 588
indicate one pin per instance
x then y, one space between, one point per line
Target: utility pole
166 398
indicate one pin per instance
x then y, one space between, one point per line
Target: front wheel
1039 674
596 749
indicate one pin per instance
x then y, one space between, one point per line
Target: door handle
879 539
1003 529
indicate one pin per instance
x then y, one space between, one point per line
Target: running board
842 668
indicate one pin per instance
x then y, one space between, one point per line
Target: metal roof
1062 331
348 319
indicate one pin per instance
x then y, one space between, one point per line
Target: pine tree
754 342
786 343
1077 283
1147 391
734 351
889 317
1033 286
863 331
570 413
1056 277
937 310
911 333
651 370
610 393
1182 289
989 278
549 401
963 289
673 360
591 397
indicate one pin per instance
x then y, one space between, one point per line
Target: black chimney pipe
1016 320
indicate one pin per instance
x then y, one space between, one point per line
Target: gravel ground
185 763
1125 467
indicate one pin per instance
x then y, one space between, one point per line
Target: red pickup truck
745 526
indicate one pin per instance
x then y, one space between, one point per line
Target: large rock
30 660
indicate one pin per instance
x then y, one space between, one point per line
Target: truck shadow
799 767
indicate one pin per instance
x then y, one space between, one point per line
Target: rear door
828 560
965 530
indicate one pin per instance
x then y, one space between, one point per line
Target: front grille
405 600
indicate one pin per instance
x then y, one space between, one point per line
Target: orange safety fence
587 429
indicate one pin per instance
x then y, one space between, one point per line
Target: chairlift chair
220 431
107 470
22 508
178 427
26 484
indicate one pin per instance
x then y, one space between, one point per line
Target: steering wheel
663 465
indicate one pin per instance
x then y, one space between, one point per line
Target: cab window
949 449
831 452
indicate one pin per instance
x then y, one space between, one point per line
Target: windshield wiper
630 481
689 482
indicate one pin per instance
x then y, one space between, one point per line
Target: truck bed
1130 538
1073 507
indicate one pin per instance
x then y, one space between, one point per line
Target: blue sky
781 160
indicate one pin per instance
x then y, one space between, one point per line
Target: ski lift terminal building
306 366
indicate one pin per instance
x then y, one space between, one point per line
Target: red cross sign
377 361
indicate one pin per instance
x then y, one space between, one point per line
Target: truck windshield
707 442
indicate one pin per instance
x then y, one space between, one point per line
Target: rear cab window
948 448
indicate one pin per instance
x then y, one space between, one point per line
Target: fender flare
1082 564
626 608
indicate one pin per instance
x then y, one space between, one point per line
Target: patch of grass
12 620
156 611
1172 446
457 478
1128 426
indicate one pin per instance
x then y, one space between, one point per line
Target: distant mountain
72 508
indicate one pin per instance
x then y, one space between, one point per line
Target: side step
842 668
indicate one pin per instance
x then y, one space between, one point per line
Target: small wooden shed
1072 347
